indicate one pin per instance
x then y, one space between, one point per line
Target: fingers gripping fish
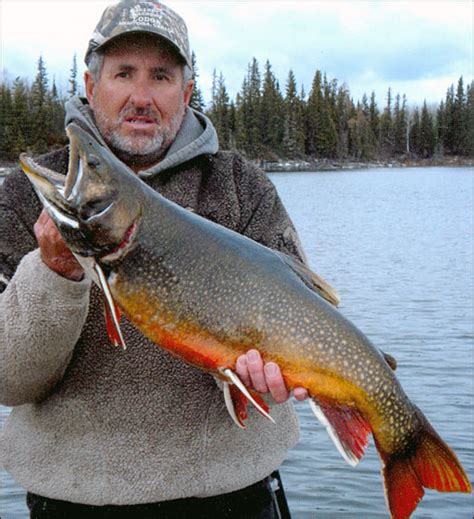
208 294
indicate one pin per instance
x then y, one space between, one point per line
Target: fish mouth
124 246
50 188
57 193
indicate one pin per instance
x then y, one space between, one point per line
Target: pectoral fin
110 322
111 310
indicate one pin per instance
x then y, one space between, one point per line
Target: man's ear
188 92
89 84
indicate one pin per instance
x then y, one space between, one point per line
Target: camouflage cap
140 16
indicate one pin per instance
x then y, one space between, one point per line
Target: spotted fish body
208 294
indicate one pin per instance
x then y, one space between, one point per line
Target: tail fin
427 462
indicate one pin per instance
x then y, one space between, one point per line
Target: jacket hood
197 136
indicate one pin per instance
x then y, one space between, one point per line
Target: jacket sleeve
41 313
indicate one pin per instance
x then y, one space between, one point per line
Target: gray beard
128 150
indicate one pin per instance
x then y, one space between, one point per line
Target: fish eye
93 162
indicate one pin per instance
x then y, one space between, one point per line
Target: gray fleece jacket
94 424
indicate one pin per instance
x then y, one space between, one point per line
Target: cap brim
124 33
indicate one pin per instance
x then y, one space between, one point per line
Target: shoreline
294 166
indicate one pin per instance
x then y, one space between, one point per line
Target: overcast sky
419 48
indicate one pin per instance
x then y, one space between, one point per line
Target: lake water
398 246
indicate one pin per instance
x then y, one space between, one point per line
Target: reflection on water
397 244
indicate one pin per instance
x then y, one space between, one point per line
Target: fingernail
271 369
252 356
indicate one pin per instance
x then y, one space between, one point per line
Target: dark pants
263 500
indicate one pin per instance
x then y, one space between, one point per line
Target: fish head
97 206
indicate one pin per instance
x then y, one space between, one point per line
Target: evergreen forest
267 122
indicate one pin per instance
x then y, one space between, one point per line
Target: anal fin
346 427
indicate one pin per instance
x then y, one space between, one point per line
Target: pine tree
321 136
441 128
22 123
240 132
39 98
374 122
6 123
313 116
272 114
415 133
327 141
248 113
450 123
344 111
73 86
197 99
56 113
232 126
386 128
293 138
253 119
220 112
470 119
427 141
459 121
399 126
360 134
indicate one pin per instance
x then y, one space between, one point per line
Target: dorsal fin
311 279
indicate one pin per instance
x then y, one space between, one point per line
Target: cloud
394 43
366 44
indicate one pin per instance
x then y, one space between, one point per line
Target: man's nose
141 95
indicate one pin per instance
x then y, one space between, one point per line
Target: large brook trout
208 294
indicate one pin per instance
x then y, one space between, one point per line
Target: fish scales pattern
281 319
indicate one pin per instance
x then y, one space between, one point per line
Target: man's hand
54 252
265 378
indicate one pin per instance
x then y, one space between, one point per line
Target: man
96 432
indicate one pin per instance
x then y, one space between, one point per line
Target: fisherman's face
139 101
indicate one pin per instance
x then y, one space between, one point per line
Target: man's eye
160 77
123 74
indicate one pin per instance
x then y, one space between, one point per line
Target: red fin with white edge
251 396
262 404
112 314
346 427
426 462
113 332
237 403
